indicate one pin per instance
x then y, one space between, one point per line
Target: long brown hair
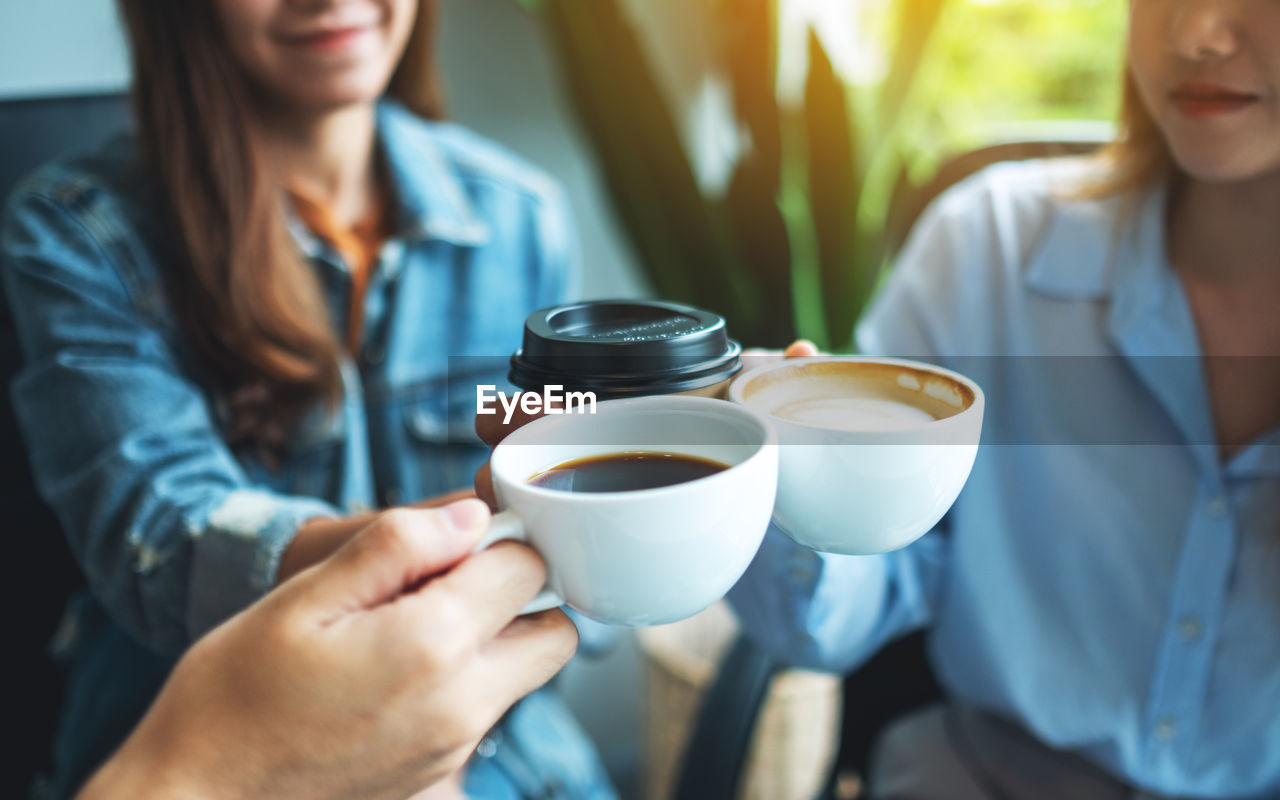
250 306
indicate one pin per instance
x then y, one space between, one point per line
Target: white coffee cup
646 556
873 451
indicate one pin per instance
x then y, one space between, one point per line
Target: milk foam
853 413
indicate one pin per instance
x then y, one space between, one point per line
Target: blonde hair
416 82
1139 156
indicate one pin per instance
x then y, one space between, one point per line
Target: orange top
359 245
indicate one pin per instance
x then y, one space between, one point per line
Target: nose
1204 30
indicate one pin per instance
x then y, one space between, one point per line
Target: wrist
140 770
316 540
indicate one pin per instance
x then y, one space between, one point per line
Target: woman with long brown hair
240 327
1101 604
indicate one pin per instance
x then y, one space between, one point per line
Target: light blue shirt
1105 579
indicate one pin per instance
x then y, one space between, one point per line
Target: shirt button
1217 506
487 748
374 356
803 574
1166 729
390 497
806 558
1190 628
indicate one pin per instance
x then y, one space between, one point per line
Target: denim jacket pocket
315 458
439 420
443 451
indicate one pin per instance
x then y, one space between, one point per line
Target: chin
1222 166
315 88
333 101
333 96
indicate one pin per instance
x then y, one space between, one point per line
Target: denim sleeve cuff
238 550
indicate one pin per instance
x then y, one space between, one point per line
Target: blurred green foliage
797 242
1003 61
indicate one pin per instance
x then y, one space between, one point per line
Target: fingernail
466 515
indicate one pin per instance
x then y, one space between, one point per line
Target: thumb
396 553
801 348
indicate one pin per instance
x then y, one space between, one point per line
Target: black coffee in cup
626 348
624 472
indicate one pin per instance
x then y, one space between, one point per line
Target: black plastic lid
624 348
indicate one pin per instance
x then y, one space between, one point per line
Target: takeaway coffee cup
872 451
649 555
626 348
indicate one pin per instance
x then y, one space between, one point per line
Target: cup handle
506 526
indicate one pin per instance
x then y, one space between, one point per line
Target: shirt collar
310 244
1076 229
1090 247
1149 319
1145 293
1259 460
1114 250
431 201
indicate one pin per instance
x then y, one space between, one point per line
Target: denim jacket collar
431 202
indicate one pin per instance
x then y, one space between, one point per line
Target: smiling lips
328 39
1199 99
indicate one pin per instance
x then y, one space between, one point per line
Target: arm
387 664
832 612
172 535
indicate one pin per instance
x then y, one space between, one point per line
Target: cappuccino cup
639 556
872 451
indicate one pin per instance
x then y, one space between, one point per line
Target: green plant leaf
680 236
750 29
916 21
834 187
590 91
751 202
805 265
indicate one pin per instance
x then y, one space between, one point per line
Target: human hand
800 348
371 675
757 356
319 538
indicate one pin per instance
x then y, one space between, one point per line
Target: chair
42 574
898 679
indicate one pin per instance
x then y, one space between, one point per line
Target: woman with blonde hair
238 327
1101 604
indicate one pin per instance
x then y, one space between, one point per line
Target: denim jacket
173 530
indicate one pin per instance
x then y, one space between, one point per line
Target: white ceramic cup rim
759 441
498 463
737 390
